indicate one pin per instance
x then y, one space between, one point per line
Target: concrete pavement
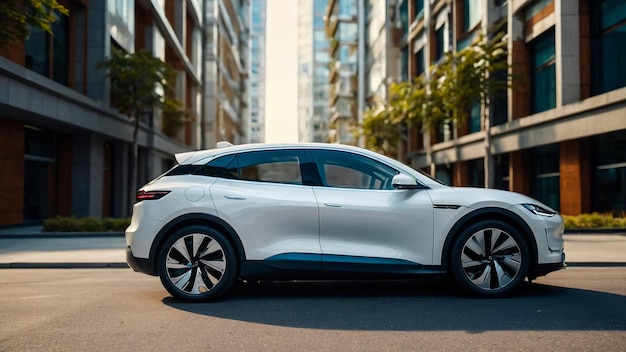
29 247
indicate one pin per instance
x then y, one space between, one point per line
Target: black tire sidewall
461 278
225 283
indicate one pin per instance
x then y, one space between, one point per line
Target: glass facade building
258 27
313 71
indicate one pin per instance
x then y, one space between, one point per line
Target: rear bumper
141 265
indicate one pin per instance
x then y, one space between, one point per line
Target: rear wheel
197 264
490 259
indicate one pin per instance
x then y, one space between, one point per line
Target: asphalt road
577 309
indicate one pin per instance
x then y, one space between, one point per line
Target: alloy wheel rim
195 263
491 259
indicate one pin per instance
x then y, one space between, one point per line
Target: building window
476 173
48 54
419 60
444 174
471 14
543 72
610 174
501 168
608 48
404 70
444 131
418 6
474 117
39 167
440 42
546 182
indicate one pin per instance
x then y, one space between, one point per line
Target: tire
197 264
489 259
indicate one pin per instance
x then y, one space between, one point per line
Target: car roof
201 156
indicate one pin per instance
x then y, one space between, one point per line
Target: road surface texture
577 309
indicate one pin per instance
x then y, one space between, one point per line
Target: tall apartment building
226 61
64 148
257 70
343 27
313 59
560 133
365 38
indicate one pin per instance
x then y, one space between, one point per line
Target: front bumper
544 269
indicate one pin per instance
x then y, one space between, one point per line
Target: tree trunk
132 167
488 160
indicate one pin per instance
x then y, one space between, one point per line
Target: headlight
538 210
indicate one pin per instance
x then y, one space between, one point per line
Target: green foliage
17 17
475 73
594 221
174 116
139 81
382 134
73 224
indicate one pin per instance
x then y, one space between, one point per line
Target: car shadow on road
422 305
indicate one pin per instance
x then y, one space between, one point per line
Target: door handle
235 197
333 205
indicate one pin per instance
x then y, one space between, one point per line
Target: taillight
150 195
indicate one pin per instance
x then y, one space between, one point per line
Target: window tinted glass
347 170
225 167
271 166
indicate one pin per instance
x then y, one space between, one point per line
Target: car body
313 211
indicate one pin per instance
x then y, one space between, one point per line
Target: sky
281 84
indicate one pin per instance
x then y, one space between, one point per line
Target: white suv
313 211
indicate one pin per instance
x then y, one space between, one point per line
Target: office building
559 134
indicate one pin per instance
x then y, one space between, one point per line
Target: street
577 309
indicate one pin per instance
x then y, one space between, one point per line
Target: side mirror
402 181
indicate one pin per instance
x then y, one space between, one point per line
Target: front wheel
197 264
490 259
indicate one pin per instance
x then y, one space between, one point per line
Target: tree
17 17
474 74
415 103
477 74
140 83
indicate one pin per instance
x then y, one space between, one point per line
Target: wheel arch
190 220
491 213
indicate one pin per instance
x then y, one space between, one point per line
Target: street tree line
443 94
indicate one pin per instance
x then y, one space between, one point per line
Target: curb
596 264
61 235
64 266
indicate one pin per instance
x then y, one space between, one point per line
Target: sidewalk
29 247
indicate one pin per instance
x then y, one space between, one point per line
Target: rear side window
223 167
281 166
278 166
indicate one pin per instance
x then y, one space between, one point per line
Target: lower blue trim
309 266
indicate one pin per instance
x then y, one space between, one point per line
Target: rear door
263 196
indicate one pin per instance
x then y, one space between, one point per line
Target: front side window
347 170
